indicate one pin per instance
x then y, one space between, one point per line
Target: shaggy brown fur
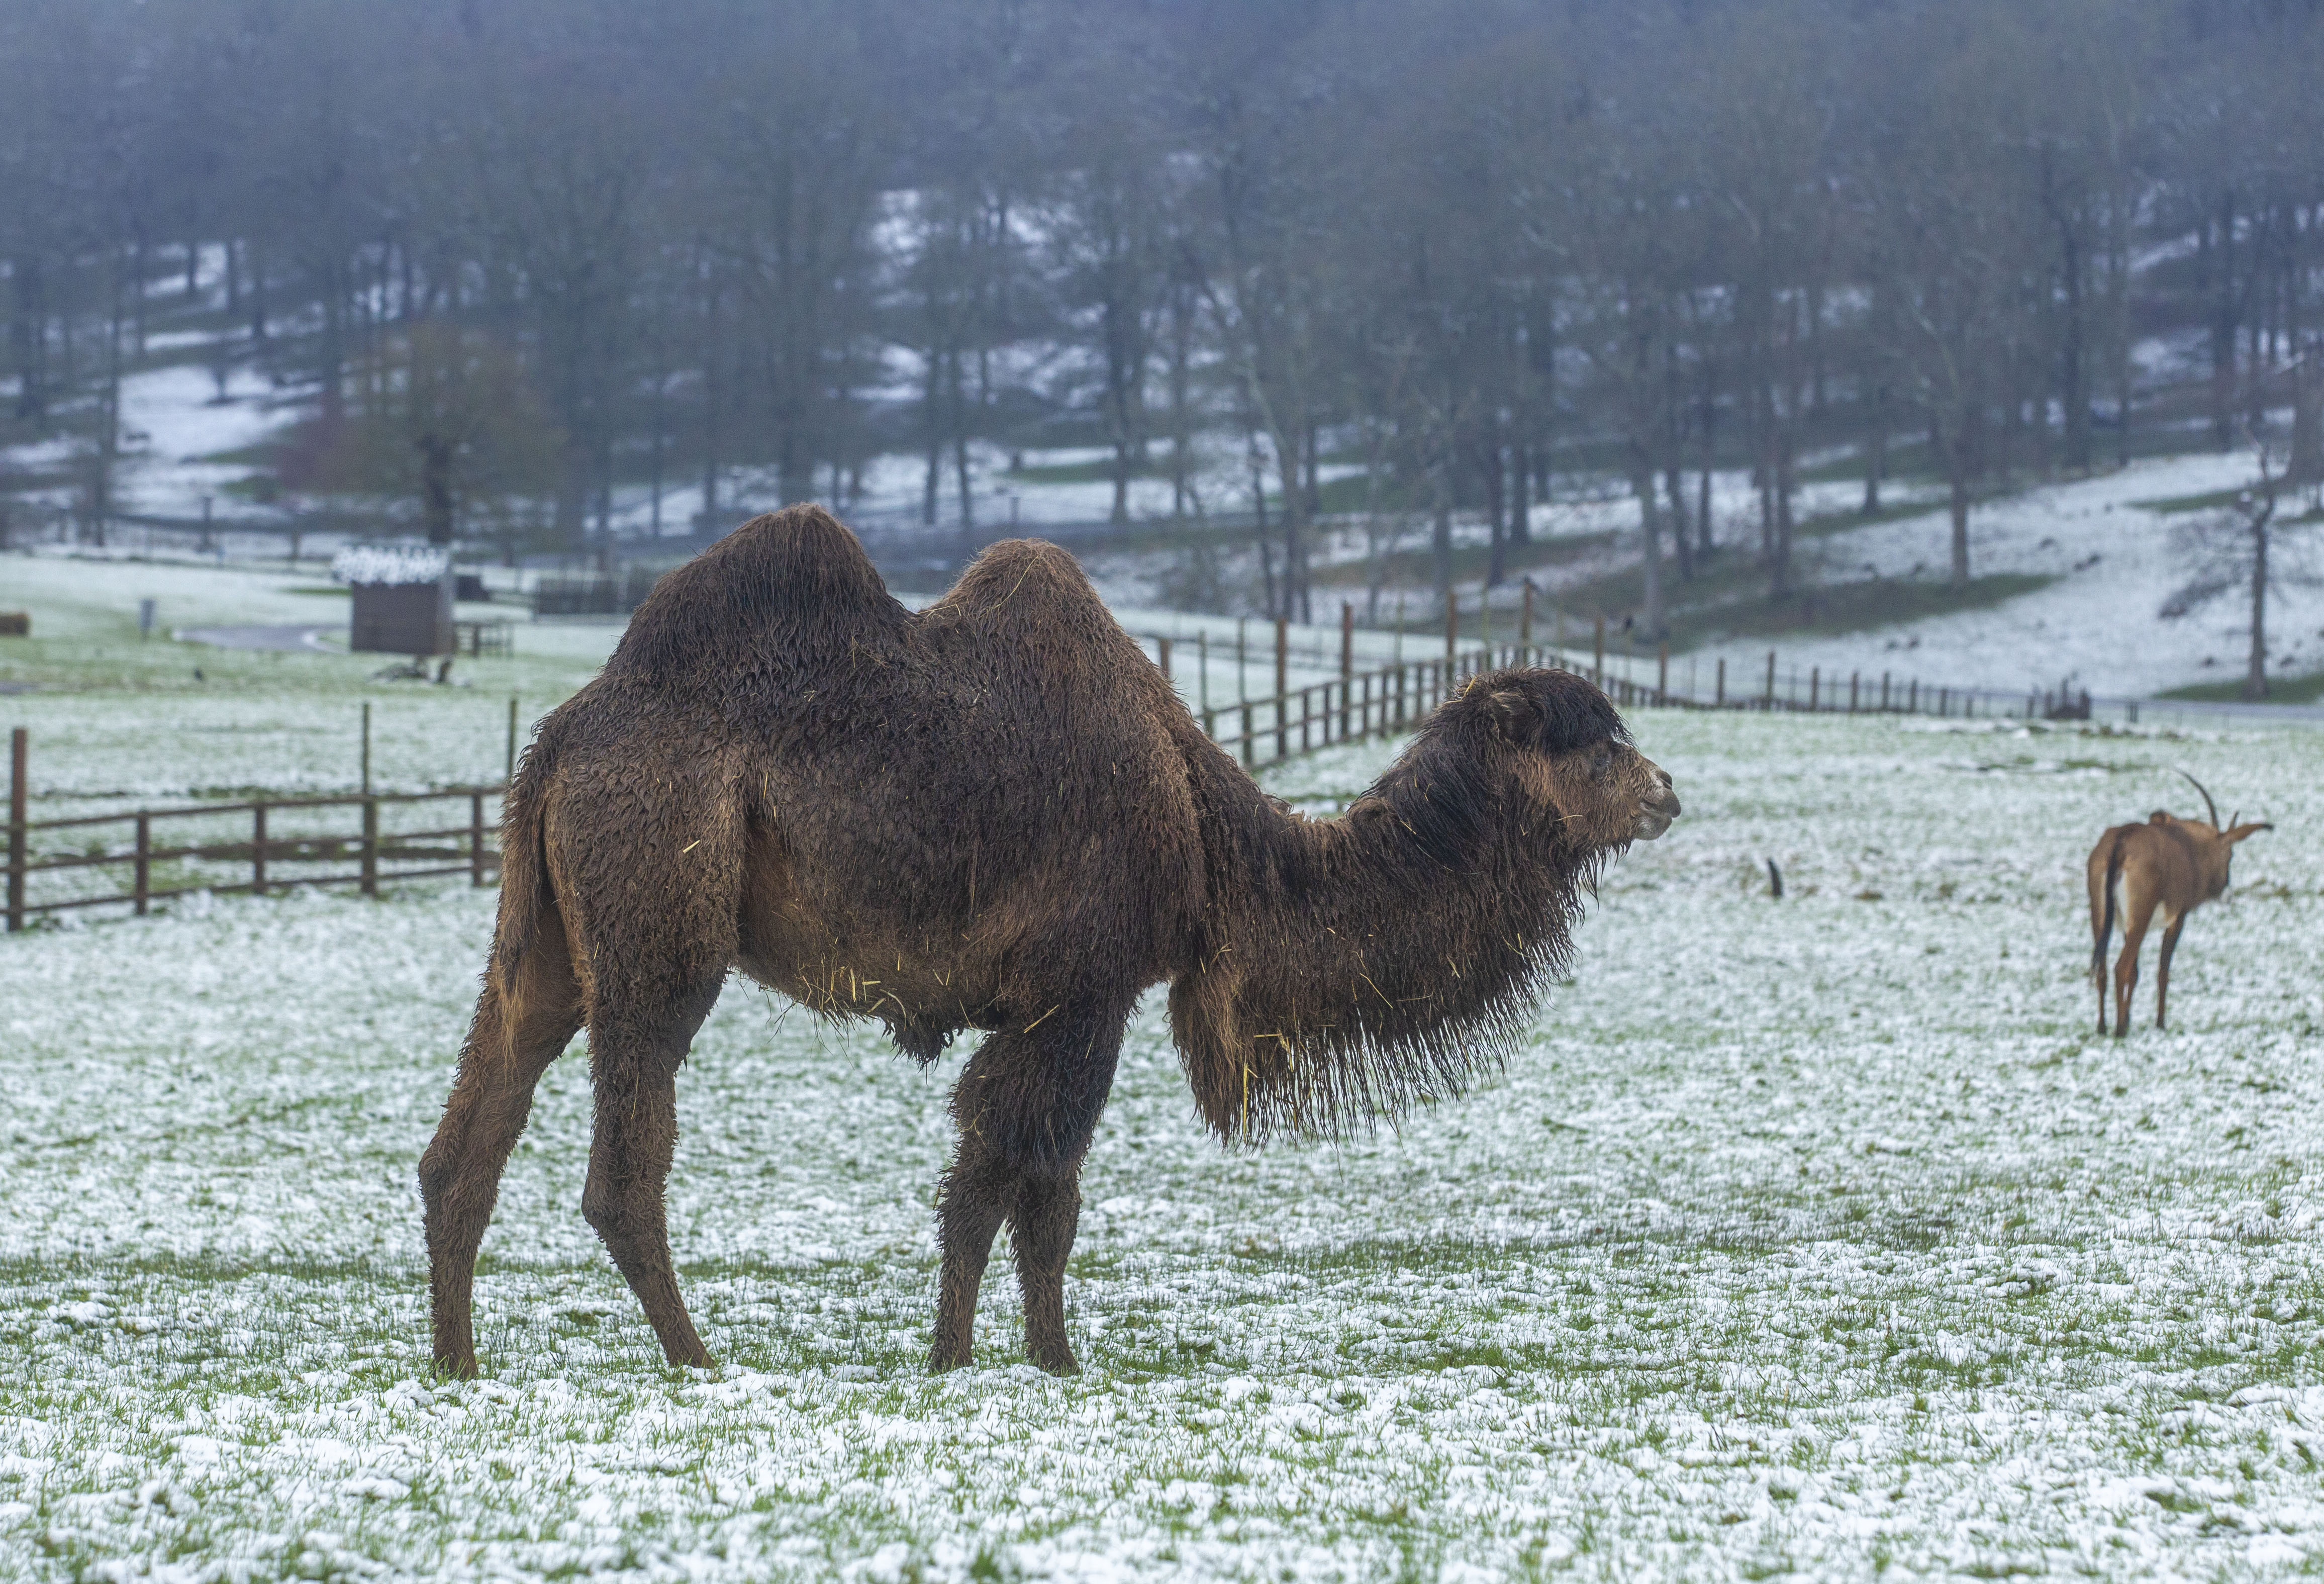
993 815
2168 864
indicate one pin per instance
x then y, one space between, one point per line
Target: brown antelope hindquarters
2168 865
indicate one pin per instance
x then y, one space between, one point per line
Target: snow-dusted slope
2099 624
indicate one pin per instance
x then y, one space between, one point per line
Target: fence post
1720 700
366 748
1248 754
1282 657
1815 679
1771 678
18 755
144 860
1852 679
371 846
1451 627
1163 644
258 849
1661 674
1525 624
1306 715
1347 641
476 839
1884 692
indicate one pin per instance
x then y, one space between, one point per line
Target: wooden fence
366 839
362 839
1293 720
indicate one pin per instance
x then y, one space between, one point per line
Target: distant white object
392 565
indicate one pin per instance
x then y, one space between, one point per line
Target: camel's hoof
1058 1363
942 1360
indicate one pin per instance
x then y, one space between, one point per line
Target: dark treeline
519 251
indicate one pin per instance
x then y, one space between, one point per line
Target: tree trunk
1440 543
1497 567
1650 546
436 486
1875 453
1520 503
1294 527
1680 539
2255 673
2073 381
2307 464
2218 270
1956 449
935 477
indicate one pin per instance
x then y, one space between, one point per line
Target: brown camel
993 814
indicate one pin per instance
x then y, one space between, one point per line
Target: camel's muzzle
1656 812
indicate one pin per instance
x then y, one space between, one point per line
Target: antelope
2168 863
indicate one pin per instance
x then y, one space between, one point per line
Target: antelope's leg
2126 967
2162 967
519 1030
1027 1104
633 1056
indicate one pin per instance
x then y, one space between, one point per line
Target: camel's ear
2238 832
1514 715
2160 817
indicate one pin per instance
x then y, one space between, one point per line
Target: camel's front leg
1041 1232
977 1195
1026 1105
634 1055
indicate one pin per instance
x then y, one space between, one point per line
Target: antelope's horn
2208 803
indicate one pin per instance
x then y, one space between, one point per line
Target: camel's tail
2103 930
526 898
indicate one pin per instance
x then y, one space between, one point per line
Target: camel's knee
616 1213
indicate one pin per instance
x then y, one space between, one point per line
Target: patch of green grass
2297 690
1098 472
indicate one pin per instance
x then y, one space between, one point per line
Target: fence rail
260 847
291 841
1291 720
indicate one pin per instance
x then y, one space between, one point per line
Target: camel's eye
1601 763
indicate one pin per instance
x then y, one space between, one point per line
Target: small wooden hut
402 598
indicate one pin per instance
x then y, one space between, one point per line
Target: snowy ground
1807 1237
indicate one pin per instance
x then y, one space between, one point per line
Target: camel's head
1567 748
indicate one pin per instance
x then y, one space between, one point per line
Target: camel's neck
1355 965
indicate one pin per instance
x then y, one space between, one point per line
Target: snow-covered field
1809 1237
2099 622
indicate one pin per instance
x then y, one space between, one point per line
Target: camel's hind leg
1026 1105
634 1052
519 1028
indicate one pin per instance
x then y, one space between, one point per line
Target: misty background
1320 300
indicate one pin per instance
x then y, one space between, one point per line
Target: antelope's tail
2104 926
